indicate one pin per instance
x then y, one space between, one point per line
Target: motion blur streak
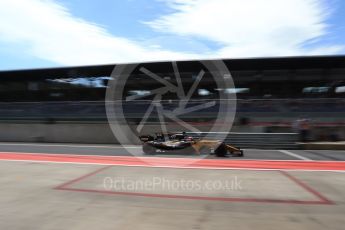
176 162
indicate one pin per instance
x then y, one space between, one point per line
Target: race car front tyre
221 150
237 153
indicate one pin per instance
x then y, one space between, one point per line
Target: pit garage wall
59 132
97 133
100 133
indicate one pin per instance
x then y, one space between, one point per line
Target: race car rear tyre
148 149
221 151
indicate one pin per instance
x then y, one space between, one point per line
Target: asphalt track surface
118 150
77 186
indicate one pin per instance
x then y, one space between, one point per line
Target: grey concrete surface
29 200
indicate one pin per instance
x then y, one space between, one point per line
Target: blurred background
285 57
300 99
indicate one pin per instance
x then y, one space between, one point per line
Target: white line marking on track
295 155
150 157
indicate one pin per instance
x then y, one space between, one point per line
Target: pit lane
117 150
56 195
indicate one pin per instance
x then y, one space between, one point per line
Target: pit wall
98 133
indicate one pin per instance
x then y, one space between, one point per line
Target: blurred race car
180 143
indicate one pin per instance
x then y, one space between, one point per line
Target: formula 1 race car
180 143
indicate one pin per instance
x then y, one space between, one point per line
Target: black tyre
148 149
237 154
221 151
